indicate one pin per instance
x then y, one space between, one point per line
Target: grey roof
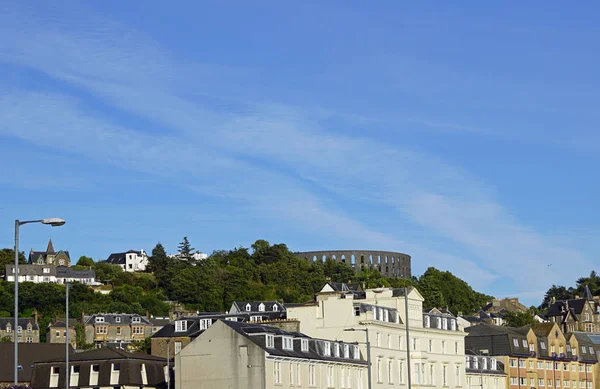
498 340
316 348
23 322
392 312
587 294
106 353
60 323
29 353
117 318
342 287
470 365
67 272
57 271
159 321
240 306
119 258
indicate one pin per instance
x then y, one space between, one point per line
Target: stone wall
389 264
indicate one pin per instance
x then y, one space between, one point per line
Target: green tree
185 249
6 339
80 339
7 257
85 261
518 319
142 346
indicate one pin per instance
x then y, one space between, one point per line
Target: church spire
50 249
587 294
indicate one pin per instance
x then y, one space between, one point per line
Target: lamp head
54 221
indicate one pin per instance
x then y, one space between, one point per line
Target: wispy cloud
263 153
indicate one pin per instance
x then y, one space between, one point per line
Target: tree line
264 271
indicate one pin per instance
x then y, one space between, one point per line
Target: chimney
35 316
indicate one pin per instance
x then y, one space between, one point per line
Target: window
181 326
288 343
19 329
414 341
513 381
552 349
430 345
521 363
522 381
95 368
456 348
57 332
557 383
349 377
330 382
55 369
327 349
417 377
205 323
549 367
359 379
445 323
343 377
117 319
99 319
427 321
543 345
29 339
540 382
443 347
177 347
494 364
100 330
540 365
531 347
390 371
311 376
457 375
524 342
431 376
346 351
356 352
8 329
513 363
75 369
298 375
138 330
261 307
116 367
275 308
444 375
356 311
389 340
531 365
270 341
566 384
304 345
277 373
515 342
46 270
532 382
336 350
248 308
255 318
136 319
118 330
549 383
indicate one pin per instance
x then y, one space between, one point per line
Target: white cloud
266 155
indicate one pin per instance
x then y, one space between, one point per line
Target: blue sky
464 135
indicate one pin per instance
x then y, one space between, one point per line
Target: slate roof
60 323
588 340
35 255
111 318
159 321
315 351
575 305
67 272
240 306
498 340
104 354
29 353
342 287
119 258
23 322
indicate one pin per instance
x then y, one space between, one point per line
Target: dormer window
136 319
181 326
543 345
99 319
270 341
494 364
524 341
347 351
8 328
29 327
248 308
261 307
205 323
19 329
327 349
453 324
304 345
336 350
445 323
275 308
117 319
427 322
356 352
46 270
288 343
438 322
515 342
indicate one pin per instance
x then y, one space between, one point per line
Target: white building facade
130 261
436 343
50 274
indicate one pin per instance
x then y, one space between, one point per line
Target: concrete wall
389 264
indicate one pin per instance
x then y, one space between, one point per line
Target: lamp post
67 372
54 222
366 330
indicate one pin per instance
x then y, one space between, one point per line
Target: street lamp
54 222
366 330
